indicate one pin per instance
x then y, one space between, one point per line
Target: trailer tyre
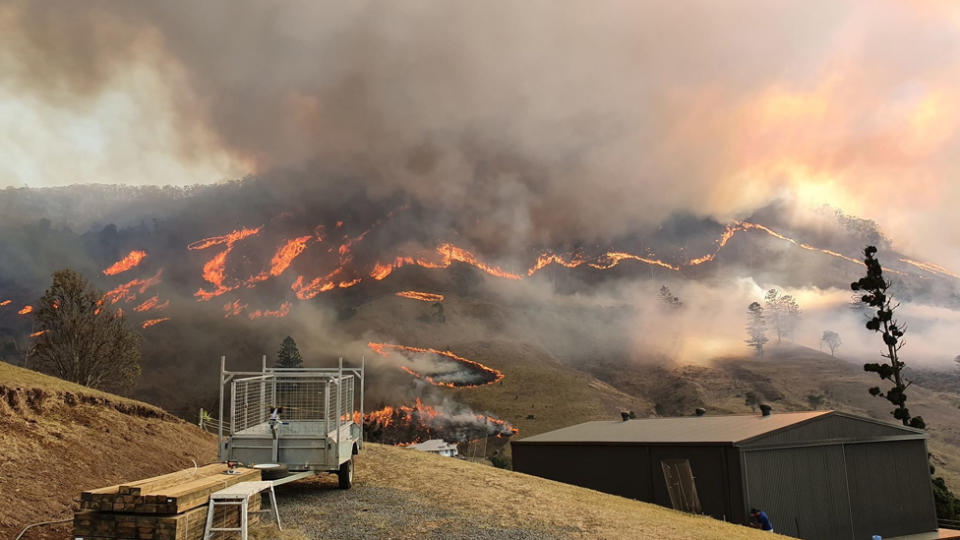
345 474
272 471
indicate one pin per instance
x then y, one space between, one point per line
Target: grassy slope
59 438
400 493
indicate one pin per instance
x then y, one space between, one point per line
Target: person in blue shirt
759 520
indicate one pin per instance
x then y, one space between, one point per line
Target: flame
422 296
346 284
279 313
315 287
25 310
38 334
214 269
546 259
406 425
152 303
128 291
229 239
282 259
380 348
151 322
451 253
930 267
233 309
131 260
5 302
612 258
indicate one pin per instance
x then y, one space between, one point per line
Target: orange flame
128 291
930 267
546 259
38 334
131 260
233 309
214 269
278 313
380 348
25 310
152 303
451 253
422 296
612 258
151 322
5 302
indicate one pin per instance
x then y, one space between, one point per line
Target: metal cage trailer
299 420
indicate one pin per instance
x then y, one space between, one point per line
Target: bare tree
669 300
833 341
875 294
81 340
756 328
783 312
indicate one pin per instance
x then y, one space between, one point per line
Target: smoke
527 120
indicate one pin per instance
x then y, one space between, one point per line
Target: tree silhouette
289 355
756 328
783 312
669 299
875 294
833 341
81 340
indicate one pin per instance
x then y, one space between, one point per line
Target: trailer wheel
345 474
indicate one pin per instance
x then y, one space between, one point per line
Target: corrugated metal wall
890 488
831 427
802 490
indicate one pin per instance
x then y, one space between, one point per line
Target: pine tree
288 356
81 340
875 294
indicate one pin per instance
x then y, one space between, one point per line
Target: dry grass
59 438
444 496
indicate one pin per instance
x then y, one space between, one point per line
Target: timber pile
168 507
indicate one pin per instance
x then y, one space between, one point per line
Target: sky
593 117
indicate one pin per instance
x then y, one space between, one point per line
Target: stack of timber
168 507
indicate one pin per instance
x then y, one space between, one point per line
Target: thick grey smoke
531 119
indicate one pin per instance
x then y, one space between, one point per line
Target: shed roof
728 429
433 445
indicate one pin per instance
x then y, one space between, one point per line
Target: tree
289 355
752 400
874 289
669 299
833 341
756 327
783 313
81 340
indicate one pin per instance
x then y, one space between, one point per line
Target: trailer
293 422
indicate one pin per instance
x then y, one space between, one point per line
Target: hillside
59 438
402 494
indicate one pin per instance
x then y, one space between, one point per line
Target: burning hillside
421 422
439 368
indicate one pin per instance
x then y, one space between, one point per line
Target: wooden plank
185 526
157 483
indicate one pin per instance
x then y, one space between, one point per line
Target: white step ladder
238 495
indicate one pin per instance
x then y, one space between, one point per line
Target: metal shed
819 474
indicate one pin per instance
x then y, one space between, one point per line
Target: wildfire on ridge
151 322
283 258
278 313
128 291
131 260
315 287
151 303
495 375
5 302
422 296
25 310
612 258
546 259
930 267
38 333
451 253
228 239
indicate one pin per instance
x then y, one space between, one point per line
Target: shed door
681 485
